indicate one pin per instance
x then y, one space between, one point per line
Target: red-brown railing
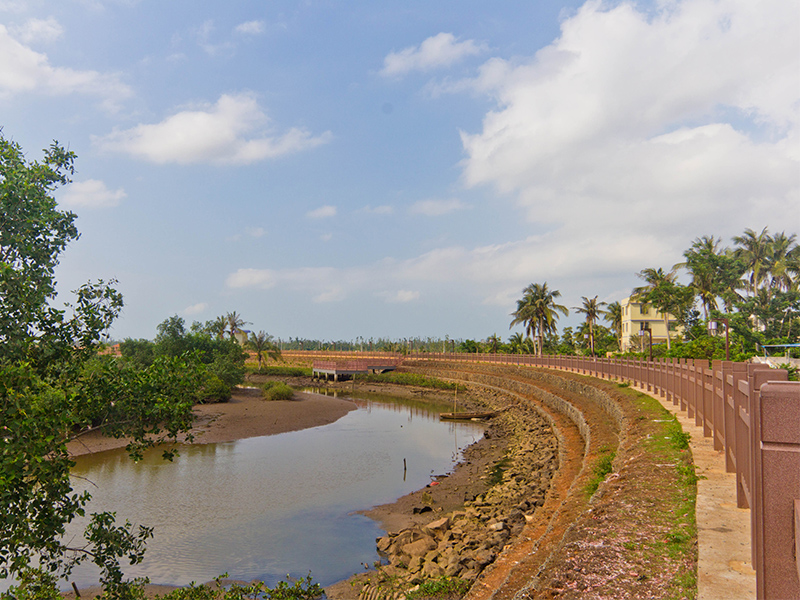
749 410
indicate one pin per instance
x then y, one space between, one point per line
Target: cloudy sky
334 169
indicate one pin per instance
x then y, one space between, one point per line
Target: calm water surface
262 508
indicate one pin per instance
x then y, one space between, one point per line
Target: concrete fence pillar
777 490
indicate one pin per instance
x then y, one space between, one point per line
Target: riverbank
246 415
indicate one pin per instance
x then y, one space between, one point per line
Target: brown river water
262 508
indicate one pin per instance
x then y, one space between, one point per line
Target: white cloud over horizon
229 132
438 51
619 139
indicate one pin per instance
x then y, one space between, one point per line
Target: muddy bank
245 415
461 522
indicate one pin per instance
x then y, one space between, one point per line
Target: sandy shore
245 415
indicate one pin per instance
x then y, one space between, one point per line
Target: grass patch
408 379
276 390
443 588
600 470
668 445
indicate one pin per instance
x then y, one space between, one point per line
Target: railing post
718 405
776 479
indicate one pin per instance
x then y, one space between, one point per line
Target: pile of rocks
464 542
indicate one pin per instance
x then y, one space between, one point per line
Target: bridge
350 368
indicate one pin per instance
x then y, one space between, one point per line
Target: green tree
613 314
538 311
664 292
54 388
592 309
235 322
754 250
263 344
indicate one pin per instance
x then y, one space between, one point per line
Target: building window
645 309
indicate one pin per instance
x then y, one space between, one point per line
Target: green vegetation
222 359
262 343
281 371
54 388
537 310
443 588
276 390
600 470
415 379
301 589
669 444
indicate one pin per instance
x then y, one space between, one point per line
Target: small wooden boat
466 415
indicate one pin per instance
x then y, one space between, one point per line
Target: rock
439 526
383 544
420 547
418 510
432 570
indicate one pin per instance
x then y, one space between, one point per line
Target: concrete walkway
725 569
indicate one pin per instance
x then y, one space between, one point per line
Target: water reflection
264 507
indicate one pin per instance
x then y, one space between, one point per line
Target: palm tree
537 310
492 342
613 314
660 290
783 251
754 251
218 327
235 323
703 264
516 343
592 309
263 343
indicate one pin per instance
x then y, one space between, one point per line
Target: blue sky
340 169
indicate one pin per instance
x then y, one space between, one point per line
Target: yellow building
638 316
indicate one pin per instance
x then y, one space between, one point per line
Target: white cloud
400 296
250 28
438 51
195 309
23 70
378 210
38 30
232 131
436 208
657 128
91 193
323 212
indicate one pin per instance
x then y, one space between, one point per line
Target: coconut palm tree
660 290
702 262
537 309
263 344
613 314
218 327
753 249
592 309
234 323
782 253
